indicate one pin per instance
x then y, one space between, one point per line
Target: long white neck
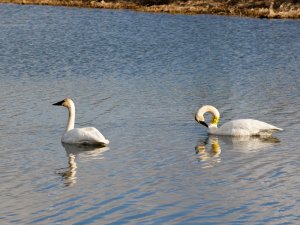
216 115
71 120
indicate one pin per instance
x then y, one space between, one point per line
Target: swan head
199 117
67 102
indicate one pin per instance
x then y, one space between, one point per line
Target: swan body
239 127
80 136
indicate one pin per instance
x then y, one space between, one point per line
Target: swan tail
94 144
269 132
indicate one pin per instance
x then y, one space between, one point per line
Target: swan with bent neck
239 127
80 136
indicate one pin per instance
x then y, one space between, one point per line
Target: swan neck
215 116
214 121
71 120
212 129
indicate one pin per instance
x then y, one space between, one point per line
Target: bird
80 136
239 127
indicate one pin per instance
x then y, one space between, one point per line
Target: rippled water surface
139 78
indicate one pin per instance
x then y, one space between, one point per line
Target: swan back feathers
246 127
86 135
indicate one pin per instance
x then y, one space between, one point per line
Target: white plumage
86 135
82 136
240 127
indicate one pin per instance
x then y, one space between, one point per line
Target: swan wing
243 127
86 135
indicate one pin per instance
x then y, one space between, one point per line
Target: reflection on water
209 150
69 173
85 151
73 151
250 143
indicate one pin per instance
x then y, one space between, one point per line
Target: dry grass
250 8
76 3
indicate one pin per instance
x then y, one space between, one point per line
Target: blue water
139 78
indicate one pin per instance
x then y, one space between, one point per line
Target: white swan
86 135
240 127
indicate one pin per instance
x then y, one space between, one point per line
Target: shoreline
255 9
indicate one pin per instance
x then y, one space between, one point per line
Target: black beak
59 103
203 123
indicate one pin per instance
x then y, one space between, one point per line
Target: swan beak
203 123
59 103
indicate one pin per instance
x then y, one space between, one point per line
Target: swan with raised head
239 127
80 136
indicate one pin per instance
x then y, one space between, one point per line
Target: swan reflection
250 143
209 151
75 151
69 173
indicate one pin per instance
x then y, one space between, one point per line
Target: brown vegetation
250 8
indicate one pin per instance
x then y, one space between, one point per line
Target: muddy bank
259 9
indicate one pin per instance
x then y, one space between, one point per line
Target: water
139 78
